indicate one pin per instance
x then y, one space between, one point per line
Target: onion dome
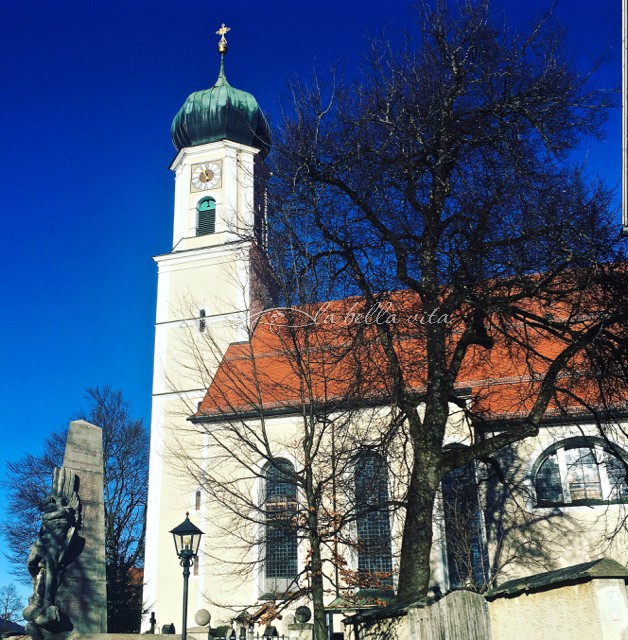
221 113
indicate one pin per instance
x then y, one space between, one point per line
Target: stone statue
67 561
56 547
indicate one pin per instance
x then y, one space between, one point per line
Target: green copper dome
221 113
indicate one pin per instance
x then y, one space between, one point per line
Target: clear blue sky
87 93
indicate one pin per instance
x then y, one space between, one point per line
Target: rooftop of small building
605 568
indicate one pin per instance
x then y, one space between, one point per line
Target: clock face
206 176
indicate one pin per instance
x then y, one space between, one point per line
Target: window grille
467 555
373 524
580 471
280 506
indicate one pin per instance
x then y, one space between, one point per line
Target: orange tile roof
331 353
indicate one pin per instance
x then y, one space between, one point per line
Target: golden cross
221 32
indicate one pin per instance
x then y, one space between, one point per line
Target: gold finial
222 43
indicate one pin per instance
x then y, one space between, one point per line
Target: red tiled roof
326 353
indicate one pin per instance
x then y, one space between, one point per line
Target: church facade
223 376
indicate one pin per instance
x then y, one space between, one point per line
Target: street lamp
187 538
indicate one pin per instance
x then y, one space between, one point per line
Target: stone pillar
83 595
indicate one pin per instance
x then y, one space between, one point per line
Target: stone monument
67 562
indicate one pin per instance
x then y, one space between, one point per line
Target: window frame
373 513
601 452
462 507
278 584
211 217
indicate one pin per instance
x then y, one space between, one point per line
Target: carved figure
52 552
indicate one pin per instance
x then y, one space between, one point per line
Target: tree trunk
316 564
414 572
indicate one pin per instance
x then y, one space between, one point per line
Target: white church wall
535 537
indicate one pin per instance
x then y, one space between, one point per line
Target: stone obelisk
84 592
67 561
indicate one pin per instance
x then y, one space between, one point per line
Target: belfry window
280 544
206 216
373 524
580 471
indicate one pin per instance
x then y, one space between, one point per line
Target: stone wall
584 601
579 610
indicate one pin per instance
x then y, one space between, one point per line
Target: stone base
301 631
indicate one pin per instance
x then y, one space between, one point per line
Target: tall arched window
580 471
373 524
467 557
206 216
280 508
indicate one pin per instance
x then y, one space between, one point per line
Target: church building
228 420
222 138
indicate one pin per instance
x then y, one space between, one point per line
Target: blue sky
88 91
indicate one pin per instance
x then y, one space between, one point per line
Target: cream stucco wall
535 539
231 568
596 609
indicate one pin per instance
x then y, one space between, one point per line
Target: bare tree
125 452
444 171
271 484
10 603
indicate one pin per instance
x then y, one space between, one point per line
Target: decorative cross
221 32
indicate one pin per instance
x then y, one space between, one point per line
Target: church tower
206 286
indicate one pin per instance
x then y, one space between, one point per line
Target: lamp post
187 538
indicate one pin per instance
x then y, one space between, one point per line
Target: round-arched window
372 519
280 508
580 471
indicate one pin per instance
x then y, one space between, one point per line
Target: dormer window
206 216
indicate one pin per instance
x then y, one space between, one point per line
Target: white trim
216 318
168 260
200 150
563 473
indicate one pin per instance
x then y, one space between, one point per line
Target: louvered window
206 221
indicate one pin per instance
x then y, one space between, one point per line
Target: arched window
373 524
280 508
467 557
580 471
206 218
